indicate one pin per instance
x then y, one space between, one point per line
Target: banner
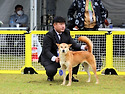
36 48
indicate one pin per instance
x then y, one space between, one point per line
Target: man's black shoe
73 79
50 79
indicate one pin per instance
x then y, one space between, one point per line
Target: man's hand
57 60
86 47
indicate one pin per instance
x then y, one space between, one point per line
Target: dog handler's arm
47 46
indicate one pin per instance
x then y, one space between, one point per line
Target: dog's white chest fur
63 61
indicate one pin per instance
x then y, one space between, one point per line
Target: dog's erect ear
69 45
57 44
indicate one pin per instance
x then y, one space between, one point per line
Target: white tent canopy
33 8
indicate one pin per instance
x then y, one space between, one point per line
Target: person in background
87 15
14 41
49 56
19 19
107 22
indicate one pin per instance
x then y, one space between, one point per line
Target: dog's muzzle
63 51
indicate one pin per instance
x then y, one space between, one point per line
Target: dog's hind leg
94 71
86 66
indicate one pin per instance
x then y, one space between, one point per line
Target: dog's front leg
70 75
64 76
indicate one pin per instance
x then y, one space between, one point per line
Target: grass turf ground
37 84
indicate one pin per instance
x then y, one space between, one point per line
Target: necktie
60 35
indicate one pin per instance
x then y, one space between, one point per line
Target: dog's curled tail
87 41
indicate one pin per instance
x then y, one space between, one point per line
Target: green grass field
37 84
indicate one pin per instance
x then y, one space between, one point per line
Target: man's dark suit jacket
50 48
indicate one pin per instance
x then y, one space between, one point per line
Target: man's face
59 27
19 11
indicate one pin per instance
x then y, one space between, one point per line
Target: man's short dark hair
18 6
58 19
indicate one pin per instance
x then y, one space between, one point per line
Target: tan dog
69 59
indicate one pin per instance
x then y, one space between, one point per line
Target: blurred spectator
19 19
108 23
15 41
88 15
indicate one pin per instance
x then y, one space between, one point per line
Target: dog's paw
88 81
97 83
63 84
68 84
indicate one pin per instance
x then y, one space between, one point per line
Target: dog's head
63 47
